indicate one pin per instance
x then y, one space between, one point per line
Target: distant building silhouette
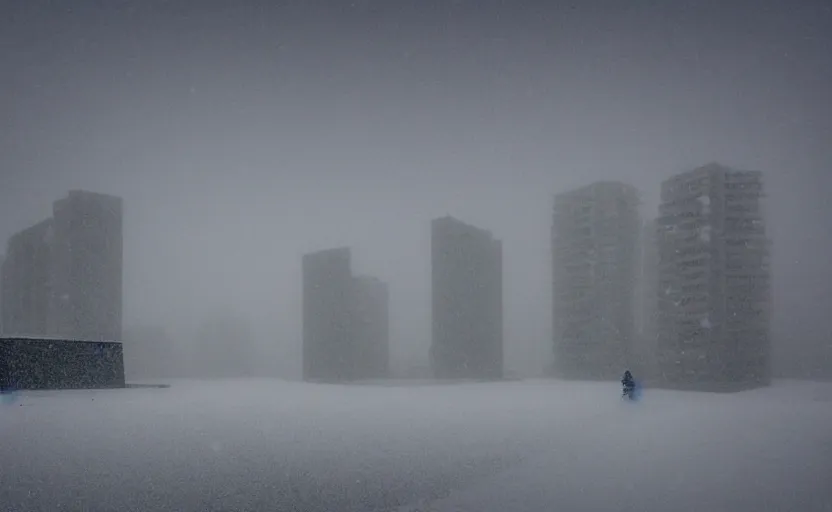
715 287
27 281
327 292
63 277
87 288
371 328
345 320
648 302
595 233
467 301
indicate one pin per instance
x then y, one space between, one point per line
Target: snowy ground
512 446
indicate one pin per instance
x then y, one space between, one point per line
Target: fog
521 446
242 135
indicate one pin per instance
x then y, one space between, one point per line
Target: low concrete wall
39 363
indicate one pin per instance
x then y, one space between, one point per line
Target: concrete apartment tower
467 301
371 327
62 277
86 300
647 307
595 250
345 320
327 333
27 281
714 280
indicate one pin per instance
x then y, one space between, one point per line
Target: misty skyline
243 135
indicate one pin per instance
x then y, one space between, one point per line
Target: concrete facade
87 267
647 310
63 277
371 327
42 363
27 281
327 328
595 233
467 301
714 280
346 324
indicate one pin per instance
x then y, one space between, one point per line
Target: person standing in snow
629 385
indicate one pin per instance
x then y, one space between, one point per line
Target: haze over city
271 181
241 136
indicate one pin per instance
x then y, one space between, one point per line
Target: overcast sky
242 134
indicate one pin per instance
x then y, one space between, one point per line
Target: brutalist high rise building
595 234
27 281
647 309
370 327
467 301
327 336
714 298
86 300
345 320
